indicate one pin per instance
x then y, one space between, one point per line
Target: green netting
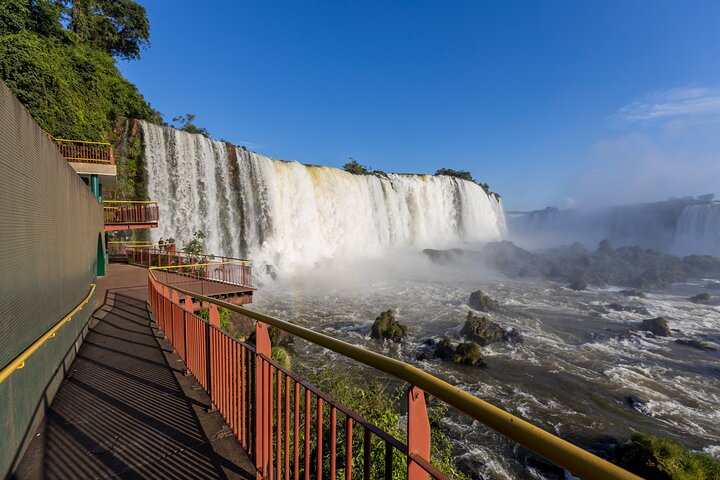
49 228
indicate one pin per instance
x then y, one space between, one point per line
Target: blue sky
552 103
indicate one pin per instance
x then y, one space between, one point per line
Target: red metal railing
204 274
120 212
85 152
289 427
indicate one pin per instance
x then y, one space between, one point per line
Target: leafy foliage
67 80
378 403
195 246
465 175
185 123
355 168
663 459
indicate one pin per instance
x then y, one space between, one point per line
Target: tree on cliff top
118 27
62 69
465 175
355 168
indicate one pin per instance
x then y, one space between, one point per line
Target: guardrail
258 398
130 212
117 247
85 152
19 361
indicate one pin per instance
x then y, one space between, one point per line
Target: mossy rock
658 326
482 301
701 298
663 459
386 326
468 353
483 331
444 349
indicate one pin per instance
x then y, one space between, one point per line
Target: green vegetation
195 246
224 314
185 123
378 403
662 459
58 58
465 175
355 168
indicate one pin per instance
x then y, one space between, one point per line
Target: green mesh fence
50 224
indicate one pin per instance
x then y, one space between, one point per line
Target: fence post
208 368
263 406
418 430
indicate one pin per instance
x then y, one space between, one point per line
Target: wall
49 227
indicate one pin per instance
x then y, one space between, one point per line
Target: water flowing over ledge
291 215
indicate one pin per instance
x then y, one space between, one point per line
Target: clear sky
550 102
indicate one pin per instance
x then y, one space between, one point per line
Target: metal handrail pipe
19 361
561 452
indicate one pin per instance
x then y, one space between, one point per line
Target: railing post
418 430
208 369
263 406
214 316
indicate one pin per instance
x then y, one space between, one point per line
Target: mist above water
681 227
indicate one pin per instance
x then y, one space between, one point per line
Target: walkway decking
126 409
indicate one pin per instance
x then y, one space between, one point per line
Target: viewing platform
130 214
126 407
89 159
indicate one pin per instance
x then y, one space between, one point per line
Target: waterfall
291 215
698 230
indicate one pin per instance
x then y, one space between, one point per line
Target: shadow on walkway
126 410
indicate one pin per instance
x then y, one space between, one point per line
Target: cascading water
291 215
698 230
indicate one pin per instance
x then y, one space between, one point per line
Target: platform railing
283 421
117 247
85 152
184 269
130 212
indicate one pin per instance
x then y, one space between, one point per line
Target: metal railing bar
19 361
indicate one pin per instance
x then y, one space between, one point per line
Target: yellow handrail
240 262
561 452
80 141
19 361
130 201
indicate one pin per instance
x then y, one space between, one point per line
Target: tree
118 27
355 168
185 123
195 246
463 174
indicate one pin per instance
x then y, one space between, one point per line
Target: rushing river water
572 374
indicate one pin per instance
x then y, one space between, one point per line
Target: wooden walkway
126 409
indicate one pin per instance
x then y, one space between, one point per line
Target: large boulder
386 326
658 326
468 353
484 331
701 298
444 349
482 301
578 285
